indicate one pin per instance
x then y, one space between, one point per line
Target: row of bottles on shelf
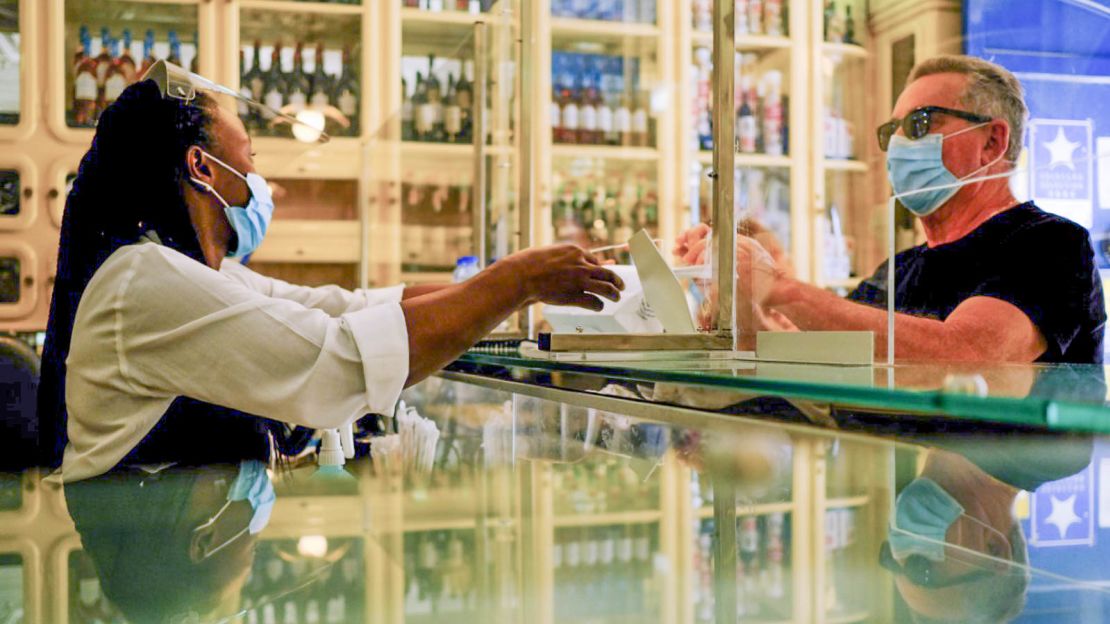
440 571
430 113
753 17
285 587
438 6
837 131
761 121
839 27
437 225
629 11
762 545
103 67
298 79
604 570
599 214
592 103
606 486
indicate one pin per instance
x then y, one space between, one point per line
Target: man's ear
998 141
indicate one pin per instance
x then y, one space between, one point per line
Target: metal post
525 129
724 137
478 189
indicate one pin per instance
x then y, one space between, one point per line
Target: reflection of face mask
913 165
253 485
250 222
924 509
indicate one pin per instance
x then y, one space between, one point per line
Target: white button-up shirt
153 325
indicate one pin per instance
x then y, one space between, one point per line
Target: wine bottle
273 87
297 82
320 97
148 53
253 79
346 96
242 107
175 49
435 103
452 114
465 98
408 128
423 116
194 64
587 112
127 62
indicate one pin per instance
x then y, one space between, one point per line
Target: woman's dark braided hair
128 183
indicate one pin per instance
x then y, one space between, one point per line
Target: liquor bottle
742 27
435 103
640 132
755 17
85 89
827 16
606 124
749 559
103 62
569 104
622 119
849 27
297 83
320 92
557 73
194 64
465 97
408 129
115 80
423 116
772 114
127 62
745 123
253 79
175 49
82 50
587 113
346 96
148 53
773 17
242 107
273 87
452 114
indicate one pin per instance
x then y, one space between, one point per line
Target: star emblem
1063 514
1061 150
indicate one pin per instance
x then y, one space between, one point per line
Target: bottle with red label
85 89
116 78
148 52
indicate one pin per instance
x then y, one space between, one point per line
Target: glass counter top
1053 397
490 506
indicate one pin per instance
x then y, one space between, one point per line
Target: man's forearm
812 308
421 289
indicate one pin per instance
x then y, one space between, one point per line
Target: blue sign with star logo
1062 512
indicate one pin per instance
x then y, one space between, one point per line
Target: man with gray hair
997 280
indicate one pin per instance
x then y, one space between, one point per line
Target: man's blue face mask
253 485
915 165
926 510
249 222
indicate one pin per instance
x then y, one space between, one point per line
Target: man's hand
564 275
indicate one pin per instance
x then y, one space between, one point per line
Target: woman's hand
564 275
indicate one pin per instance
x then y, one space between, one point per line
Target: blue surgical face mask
253 485
925 510
914 165
249 222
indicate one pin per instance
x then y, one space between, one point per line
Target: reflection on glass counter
108 46
12 607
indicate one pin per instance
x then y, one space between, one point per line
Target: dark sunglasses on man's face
917 123
920 572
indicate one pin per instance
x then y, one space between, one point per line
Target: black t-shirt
1041 263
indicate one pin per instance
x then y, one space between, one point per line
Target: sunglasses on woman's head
919 121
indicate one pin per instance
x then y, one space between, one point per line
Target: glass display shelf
1053 397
